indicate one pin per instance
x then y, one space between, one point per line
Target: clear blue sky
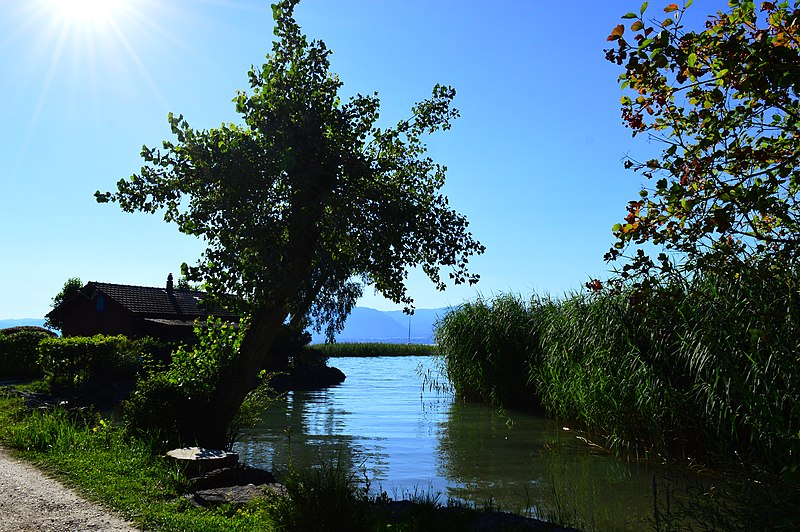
534 162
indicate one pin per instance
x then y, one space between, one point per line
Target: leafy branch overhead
723 103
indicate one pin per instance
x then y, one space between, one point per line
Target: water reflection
383 422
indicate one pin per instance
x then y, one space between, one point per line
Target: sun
87 13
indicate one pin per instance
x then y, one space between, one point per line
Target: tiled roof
154 302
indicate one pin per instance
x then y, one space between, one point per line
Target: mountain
37 322
370 325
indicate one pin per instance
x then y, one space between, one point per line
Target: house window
100 303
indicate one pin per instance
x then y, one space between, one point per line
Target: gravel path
31 501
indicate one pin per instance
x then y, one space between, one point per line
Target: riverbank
130 476
372 349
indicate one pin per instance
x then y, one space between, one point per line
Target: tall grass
488 347
372 349
705 369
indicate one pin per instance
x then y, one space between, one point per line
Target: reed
487 346
373 349
705 368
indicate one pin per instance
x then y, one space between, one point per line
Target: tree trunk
240 377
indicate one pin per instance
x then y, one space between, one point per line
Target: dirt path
31 501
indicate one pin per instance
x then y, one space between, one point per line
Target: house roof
152 302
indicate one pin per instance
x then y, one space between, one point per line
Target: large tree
722 101
302 203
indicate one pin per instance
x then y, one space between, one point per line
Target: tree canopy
307 196
723 103
302 202
71 286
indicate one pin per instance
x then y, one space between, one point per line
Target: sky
534 162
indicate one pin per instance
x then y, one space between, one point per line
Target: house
136 311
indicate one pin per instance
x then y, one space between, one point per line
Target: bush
76 360
18 355
170 402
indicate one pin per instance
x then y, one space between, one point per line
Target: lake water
386 423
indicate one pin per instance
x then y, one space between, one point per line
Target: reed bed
373 349
706 369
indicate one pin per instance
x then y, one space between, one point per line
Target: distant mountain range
363 325
370 325
24 321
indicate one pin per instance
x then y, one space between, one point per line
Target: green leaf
691 60
642 9
636 26
630 15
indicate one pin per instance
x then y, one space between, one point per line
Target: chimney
169 283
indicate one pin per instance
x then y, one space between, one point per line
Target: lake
386 423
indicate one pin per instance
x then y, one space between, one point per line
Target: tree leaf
670 8
616 33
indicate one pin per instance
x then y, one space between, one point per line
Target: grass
373 349
122 473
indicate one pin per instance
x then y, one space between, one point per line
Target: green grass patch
373 349
122 473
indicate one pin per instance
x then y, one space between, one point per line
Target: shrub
705 367
171 400
18 355
76 360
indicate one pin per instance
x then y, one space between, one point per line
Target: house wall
87 317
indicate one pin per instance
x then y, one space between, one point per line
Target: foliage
173 398
71 287
18 355
363 199
723 102
75 360
372 349
301 200
487 346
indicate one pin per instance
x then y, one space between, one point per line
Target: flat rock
201 459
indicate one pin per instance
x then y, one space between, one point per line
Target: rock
308 378
229 495
232 485
200 459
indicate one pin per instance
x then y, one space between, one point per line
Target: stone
200 459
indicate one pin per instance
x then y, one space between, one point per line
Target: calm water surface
383 421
